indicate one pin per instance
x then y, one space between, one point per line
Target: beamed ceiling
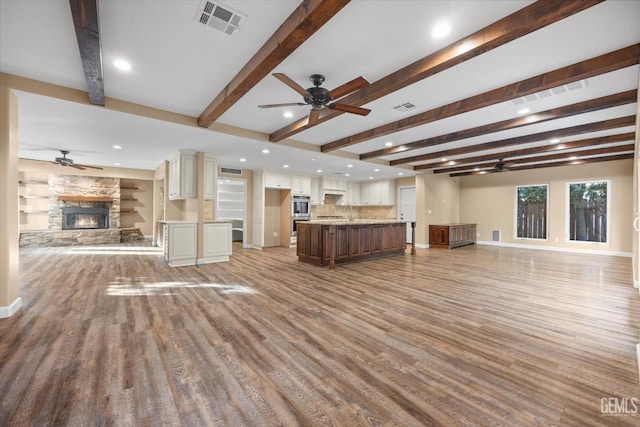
572 64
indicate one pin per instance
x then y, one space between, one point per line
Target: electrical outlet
275 234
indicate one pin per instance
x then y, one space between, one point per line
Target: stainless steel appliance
300 211
301 205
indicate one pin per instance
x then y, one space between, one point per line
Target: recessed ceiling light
388 144
523 111
376 170
476 169
287 114
452 162
117 147
370 177
313 159
444 159
572 158
349 165
319 171
347 174
400 173
122 65
441 30
554 141
116 164
243 159
265 151
285 166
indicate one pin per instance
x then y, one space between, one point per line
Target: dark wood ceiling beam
564 155
526 139
86 23
591 105
308 17
589 142
551 165
518 24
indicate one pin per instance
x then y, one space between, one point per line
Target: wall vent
221 18
231 171
406 106
580 84
495 235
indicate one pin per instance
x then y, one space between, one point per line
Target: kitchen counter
328 242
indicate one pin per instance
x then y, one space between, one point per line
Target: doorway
407 207
231 204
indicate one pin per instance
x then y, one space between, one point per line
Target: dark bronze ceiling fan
318 97
65 161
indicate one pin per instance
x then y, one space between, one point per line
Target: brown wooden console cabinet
351 241
451 235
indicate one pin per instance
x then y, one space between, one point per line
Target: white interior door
407 207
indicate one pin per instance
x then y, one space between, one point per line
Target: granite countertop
357 221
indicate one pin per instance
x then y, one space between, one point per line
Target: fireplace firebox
84 218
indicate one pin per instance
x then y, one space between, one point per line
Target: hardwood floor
473 336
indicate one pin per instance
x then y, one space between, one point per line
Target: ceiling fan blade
348 87
286 104
87 166
350 109
314 115
289 82
77 167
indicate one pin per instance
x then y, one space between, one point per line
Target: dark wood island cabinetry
451 235
349 241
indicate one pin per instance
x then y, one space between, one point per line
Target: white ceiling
180 66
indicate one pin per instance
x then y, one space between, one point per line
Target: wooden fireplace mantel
85 199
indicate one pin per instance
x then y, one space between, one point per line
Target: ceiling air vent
231 171
219 17
580 84
407 106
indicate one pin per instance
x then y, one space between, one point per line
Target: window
588 211
531 220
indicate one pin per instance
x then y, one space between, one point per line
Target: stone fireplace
82 211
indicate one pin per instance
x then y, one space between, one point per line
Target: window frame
568 212
515 215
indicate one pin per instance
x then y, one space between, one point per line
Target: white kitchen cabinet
210 178
316 193
377 193
275 180
333 185
352 195
217 242
301 185
182 175
180 243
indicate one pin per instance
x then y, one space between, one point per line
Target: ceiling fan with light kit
319 98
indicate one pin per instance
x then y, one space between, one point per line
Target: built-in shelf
128 199
128 211
33 197
34 211
128 188
34 182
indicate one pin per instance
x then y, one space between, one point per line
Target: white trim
210 260
10 310
555 248
422 246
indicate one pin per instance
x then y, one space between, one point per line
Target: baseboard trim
422 246
211 260
555 248
10 310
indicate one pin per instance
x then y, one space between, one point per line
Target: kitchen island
331 242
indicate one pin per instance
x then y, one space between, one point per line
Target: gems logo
612 406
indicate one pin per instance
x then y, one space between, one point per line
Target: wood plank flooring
474 336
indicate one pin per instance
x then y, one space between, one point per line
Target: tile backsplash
331 207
